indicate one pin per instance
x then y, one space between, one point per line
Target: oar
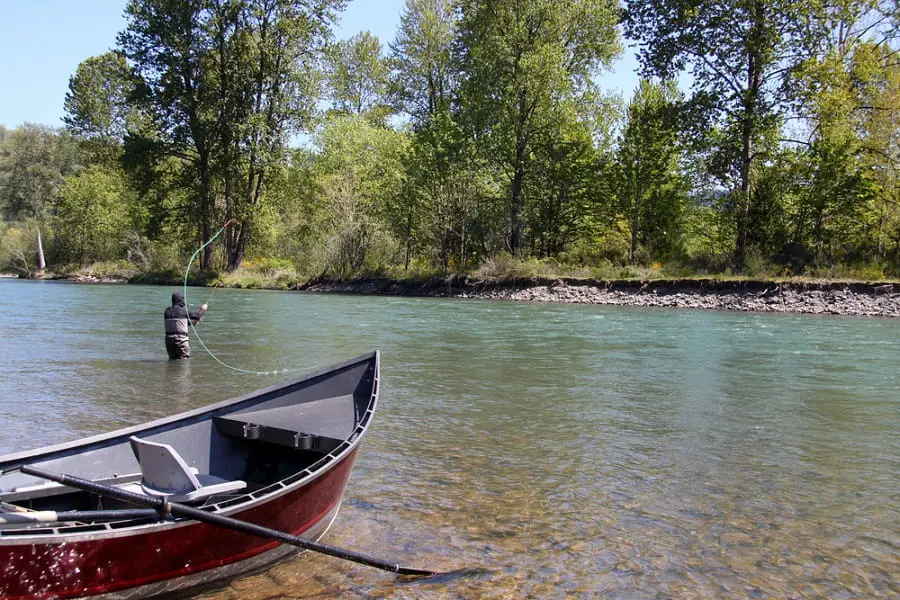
7 507
163 506
85 516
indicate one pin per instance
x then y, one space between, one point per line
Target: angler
177 317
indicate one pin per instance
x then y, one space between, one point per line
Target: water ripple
547 451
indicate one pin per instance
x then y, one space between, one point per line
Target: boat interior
212 459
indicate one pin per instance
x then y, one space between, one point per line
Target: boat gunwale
183 416
329 461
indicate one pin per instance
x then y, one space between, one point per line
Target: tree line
482 132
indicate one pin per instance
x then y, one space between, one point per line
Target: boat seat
164 473
319 426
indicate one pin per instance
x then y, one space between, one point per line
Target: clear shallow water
568 451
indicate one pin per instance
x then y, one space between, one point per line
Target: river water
555 451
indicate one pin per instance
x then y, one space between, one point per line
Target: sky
44 41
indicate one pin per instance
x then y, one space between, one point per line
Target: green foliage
358 76
227 83
92 217
33 162
423 80
110 269
263 273
850 87
417 270
651 190
18 247
446 201
505 267
562 191
164 257
509 160
100 102
734 49
709 235
357 172
853 272
525 63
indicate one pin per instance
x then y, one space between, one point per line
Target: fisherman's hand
204 307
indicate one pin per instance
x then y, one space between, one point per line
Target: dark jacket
177 326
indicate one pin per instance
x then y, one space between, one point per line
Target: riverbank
811 297
849 298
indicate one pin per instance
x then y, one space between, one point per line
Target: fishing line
191 322
208 298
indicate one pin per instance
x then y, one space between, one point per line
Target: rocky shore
831 297
875 299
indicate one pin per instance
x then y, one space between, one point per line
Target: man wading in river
177 326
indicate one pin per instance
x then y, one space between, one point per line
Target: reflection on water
559 451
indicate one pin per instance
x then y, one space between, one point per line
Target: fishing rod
191 322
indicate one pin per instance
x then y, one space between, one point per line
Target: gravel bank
834 298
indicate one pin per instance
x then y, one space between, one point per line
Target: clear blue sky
43 41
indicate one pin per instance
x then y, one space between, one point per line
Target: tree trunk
242 232
432 100
229 235
40 253
408 239
236 256
515 205
635 219
755 61
205 216
744 199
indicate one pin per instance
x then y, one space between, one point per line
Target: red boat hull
164 558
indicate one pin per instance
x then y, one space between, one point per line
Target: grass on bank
506 268
282 274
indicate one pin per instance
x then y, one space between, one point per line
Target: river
559 451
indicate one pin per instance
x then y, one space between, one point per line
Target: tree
439 212
228 82
99 103
92 218
34 159
563 187
358 74
422 81
443 210
165 42
847 92
650 187
357 172
739 53
18 247
287 41
520 59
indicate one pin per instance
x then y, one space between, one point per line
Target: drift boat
278 458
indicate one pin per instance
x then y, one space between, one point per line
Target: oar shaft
285 538
6 507
166 507
98 488
85 516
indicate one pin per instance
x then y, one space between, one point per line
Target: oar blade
442 575
411 572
